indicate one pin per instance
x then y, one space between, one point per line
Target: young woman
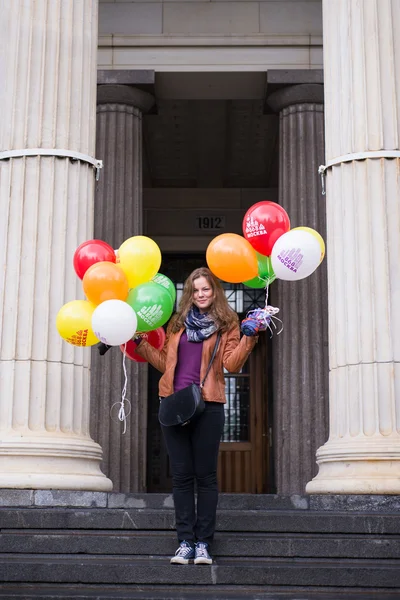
193 449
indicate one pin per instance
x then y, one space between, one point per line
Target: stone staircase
84 545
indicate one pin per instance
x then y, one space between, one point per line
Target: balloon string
271 312
121 412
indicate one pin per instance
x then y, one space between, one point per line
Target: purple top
189 362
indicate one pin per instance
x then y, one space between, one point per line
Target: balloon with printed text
263 224
114 322
140 258
231 258
74 323
91 252
152 304
105 281
166 283
295 255
265 275
155 338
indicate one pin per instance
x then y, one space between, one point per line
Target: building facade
198 109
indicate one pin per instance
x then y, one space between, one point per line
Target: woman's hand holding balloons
155 338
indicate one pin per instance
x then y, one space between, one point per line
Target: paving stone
16 497
66 498
365 503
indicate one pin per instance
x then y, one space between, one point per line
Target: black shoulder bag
186 405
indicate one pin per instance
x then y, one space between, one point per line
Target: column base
358 468
56 463
52 481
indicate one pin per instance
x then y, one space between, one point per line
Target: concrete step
249 571
216 592
164 543
230 520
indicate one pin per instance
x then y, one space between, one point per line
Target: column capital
304 93
125 94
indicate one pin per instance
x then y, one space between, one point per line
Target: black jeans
193 453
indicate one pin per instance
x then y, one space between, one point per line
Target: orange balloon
232 258
105 281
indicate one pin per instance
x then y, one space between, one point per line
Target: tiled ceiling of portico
210 142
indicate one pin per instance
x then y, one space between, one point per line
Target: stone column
362 86
300 352
118 216
48 95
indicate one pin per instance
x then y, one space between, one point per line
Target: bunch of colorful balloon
269 249
125 294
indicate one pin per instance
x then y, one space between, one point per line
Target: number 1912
210 222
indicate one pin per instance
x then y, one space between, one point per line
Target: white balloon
115 322
295 255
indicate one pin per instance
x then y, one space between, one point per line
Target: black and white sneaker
184 553
202 555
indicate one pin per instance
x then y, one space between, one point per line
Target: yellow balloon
318 237
140 259
74 323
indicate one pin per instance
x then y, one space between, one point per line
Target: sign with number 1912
210 223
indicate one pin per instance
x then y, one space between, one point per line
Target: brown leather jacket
232 354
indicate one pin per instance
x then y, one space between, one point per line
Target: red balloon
263 224
156 338
91 252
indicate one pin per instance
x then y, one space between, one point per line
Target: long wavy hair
220 311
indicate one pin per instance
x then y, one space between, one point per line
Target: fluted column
300 352
362 83
47 100
118 216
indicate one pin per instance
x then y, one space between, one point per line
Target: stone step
65 499
164 543
232 520
145 570
363 503
215 592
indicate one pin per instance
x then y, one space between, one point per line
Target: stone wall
225 35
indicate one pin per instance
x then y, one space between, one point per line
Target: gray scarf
199 326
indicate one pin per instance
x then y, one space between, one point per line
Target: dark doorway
244 460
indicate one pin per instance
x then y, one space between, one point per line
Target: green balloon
167 283
152 304
265 275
